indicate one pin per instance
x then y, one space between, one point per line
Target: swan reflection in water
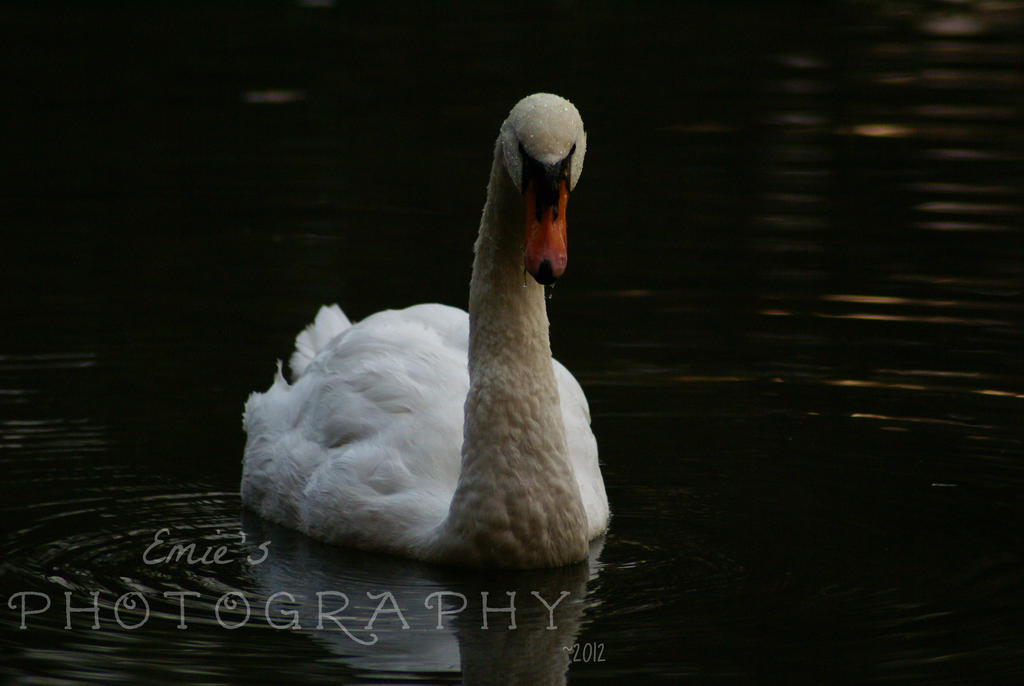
391 615
386 441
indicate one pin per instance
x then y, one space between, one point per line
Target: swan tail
330 321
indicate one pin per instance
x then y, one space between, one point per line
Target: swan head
543 144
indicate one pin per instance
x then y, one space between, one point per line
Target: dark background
793 300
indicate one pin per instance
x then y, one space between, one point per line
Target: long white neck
517 502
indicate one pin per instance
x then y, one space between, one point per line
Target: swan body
387 440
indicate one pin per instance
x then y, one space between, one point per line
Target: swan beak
545 251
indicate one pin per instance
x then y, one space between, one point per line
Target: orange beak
544 254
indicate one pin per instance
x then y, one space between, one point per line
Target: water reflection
184 570
533 643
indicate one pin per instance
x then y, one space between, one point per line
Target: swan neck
517 502
504 301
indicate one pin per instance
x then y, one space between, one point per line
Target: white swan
384 442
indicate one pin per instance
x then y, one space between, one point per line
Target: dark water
794 301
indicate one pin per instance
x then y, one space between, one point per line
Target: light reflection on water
799 332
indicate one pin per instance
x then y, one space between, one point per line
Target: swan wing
582 447
330 321
364 447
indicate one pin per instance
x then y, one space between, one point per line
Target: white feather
329 322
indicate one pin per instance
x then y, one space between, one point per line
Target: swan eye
546 176
567 166
526 163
